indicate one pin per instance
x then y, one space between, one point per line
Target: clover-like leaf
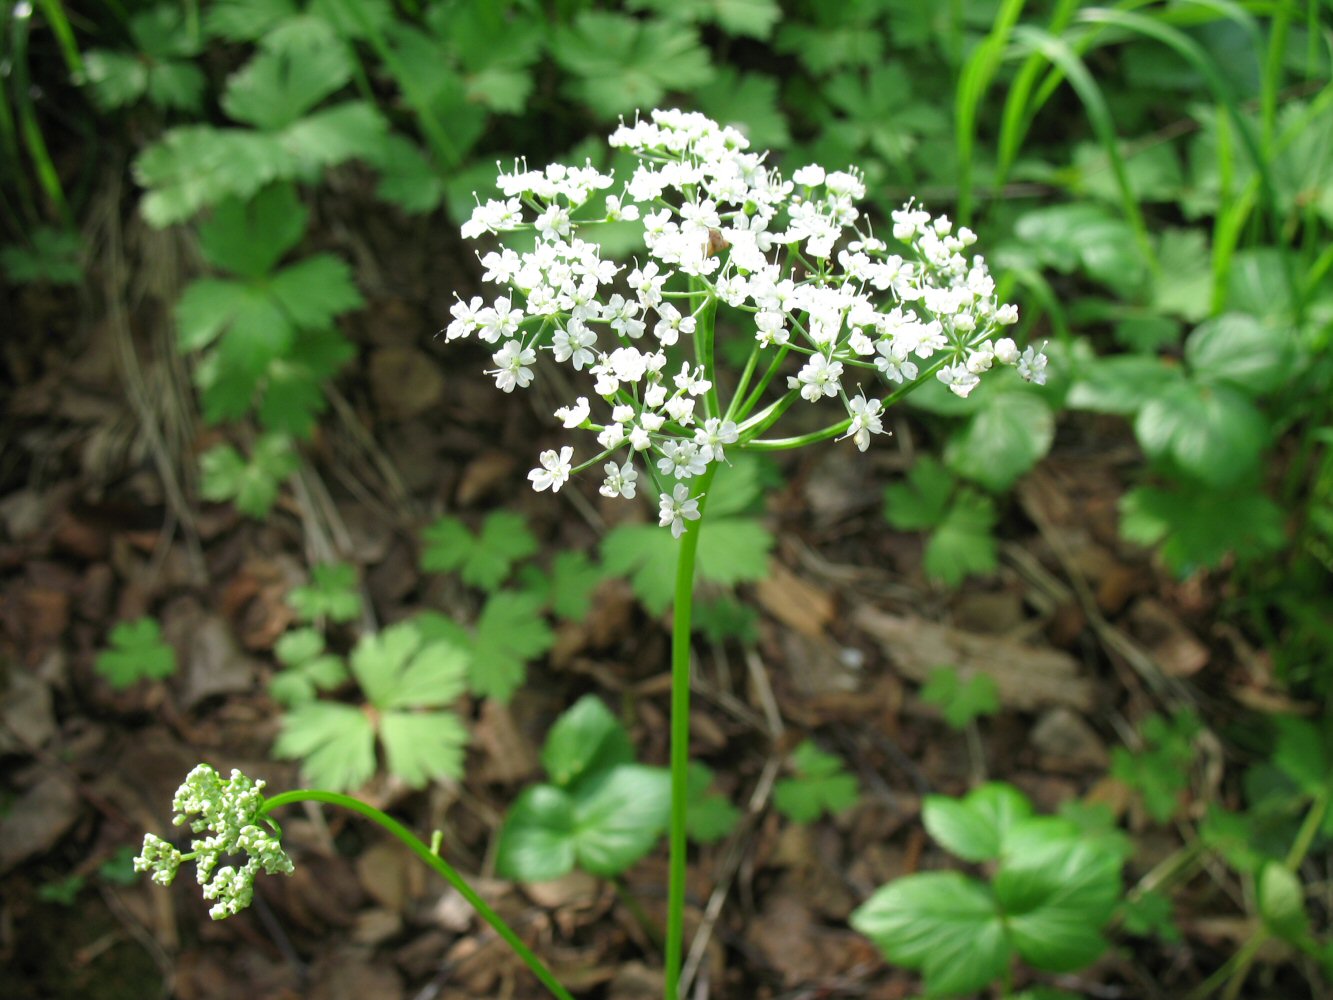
334 742
137 653
961 700
709 816
331 593
510 632
975 827
586 739
253 485
821 785
483 560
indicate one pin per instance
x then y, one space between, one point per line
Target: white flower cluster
720 226
229 812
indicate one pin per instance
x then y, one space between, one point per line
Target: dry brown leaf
794 601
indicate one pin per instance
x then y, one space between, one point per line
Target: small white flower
621 481
959 380
866 420
1032 366
676 509
512 366
573 416
809 176
555 470
681 460
464 318
818 378
1006 351
713 435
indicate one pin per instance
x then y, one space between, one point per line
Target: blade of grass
1099 115
28 126
59 25
973 81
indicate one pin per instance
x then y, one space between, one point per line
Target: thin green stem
751 363
437 863
682 612
743 411
705 324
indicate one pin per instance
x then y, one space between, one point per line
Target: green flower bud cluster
226 814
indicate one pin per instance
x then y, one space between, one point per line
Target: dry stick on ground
739 844
136 389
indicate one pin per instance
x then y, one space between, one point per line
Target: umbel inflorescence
831 311
226 816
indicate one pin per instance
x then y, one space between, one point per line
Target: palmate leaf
248 236
246 20
709 816
821 785
747 102
334 742
964 542
974 828
137 652
755 18
252 485
315 290
1196 527
280 85
407 178
293 389
331 593
620 63
510 632
422 746
961 700
483 560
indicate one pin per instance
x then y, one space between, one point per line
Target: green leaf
1184 285
942 923
335 744
1056 891
923 501
963 544
961 700
330 136
1005 439
423 746
537 840
253 485
309 669
620 64
732 550
755 18
618 816
1301 754
246 20
1160 770
709 816
726 618
1197 527
1241 351
1150 915
1282 902
747 102
483 561
974 828
315 290
586 739
278 86
608 822
137 653
331 593
1120 384
116 78
397 670
1211 433
510 632
1088 236
407 178
249 236
821 785
197 165
53 257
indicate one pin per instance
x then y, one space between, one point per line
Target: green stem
705 326
441 867
682 610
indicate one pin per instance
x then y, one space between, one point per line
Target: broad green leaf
1241 351
52 257
537 840
1150 915
619 63
278 86
942 923
331 593
618 816
1005 439
974 827
248 236
1301 754
334 742
315 290
116 78
163 33
1197 527
732 550
298 646
568 590
423 746
586 739
1211 433
308 669
210 305
510 632
1184 285
964 543
1086 235
177 85
194 166
1056 891
709 816
824 49
923 501
726 618
1120 384
137 652
1282 902
1154 172
1257 286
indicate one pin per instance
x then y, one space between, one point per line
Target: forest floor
100 522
